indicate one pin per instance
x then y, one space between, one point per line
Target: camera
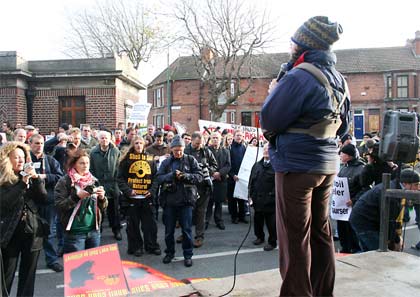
206 175
91 189
169 187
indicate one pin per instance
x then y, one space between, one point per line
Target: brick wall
13 105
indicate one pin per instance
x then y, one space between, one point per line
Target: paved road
214 259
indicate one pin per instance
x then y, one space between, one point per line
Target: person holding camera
80 200
178 177
136 179
208 165
22 233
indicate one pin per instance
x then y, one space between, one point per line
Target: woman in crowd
80 200
136 180
227 140
21 232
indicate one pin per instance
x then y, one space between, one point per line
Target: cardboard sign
241 186
249 132
94 272
140 113
340 196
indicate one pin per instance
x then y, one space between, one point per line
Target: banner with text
241 187
249 132
140 113
340 196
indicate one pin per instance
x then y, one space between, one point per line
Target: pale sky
37 28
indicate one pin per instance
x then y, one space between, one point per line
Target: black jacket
173 192
261 187
222 156
353 171
205 159
13 198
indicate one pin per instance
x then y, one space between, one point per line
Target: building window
246 118
402 86
232 117
158 100
232 89
389 87
159 120
222 98
72 110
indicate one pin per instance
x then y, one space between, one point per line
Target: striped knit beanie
317 33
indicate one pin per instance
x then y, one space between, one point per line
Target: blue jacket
300 95
237 153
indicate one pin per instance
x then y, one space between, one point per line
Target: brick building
47 93
379 79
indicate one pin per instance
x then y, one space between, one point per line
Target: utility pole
168 91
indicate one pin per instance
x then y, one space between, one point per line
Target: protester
80 201
237 153
208 166
118 136
149 136
352 171
303 121
19 135
21 190
186 137
178 176
220 177
88 141
136 179
365 215
129 134
261 189
104 166
7 129
48 169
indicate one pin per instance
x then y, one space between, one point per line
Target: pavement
367 274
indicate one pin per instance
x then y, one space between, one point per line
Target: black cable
249 226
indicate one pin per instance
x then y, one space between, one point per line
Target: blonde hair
130 149
8 176
225 143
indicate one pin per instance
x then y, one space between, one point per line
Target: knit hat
350 150
177 141
317 33
158 133
409 176
345 137
370 143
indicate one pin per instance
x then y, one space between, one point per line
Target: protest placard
139 113
340 196
249 132
241 187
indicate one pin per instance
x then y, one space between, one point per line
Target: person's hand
272 85
235 178
30 173
217 176
156 158
147 195
179 174
349 203
133 193
100 192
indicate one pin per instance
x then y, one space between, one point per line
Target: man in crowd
304 116
118 136
365 215
178 176
208 165
19 135
261 188
49 170
187 138
150 134
237 152
220 177
104 166
7 129
87 142
169 136
130 132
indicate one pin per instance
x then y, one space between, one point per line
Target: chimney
416 43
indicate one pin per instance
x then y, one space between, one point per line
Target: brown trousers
306 248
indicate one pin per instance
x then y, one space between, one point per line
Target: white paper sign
249 132
340 195
241 186
140 113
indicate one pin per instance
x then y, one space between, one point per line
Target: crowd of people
67 184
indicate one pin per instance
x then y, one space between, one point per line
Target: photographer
80 201
21 233
178 176
208 165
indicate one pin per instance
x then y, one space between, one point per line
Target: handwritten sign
241 187
249 132
340 196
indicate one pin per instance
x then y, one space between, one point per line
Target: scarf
81 180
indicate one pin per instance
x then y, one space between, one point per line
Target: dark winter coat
66 200
353 171
158 150
13 198
299 95
222 156
52 169
237 152
104 166
205 159
261 187
176 193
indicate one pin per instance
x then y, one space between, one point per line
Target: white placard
249 132
339 197
241 186
140 113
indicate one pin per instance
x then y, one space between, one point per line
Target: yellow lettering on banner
120 292
134 157
93 252
97 294
73 257
78 295
139 289
113 248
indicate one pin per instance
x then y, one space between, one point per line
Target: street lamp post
168 91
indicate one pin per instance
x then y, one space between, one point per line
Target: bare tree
223 35
114 27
